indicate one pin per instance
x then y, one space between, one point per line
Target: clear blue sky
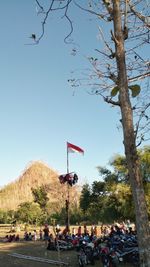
38 111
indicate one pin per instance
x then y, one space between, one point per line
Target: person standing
79 231
34 235
46 234
41 234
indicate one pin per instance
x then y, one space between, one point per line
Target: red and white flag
72 148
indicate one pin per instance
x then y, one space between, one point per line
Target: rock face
35 175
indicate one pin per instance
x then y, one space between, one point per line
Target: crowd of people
11 238
89 232
47 233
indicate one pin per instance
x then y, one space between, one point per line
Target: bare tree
122 80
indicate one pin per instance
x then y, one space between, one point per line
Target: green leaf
135 89
114 91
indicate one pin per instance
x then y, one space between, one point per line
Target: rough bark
142 223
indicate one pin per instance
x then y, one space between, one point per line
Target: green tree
85 198
10 216
3 216
98 195
110 210
107 175
120 168
144 155
28 212
119 165
125 201
40 196
117 184
98 189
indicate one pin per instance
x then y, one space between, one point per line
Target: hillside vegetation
35 175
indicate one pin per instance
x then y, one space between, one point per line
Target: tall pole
68 197
67 160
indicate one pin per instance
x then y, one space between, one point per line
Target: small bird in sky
33 36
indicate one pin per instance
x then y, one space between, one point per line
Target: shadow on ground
36 249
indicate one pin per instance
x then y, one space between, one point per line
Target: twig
139 77
91 11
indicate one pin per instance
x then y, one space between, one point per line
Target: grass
36 249
31 248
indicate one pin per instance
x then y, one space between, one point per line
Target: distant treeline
108 199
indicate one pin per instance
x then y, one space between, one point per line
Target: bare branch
107 99
103 53
102 76
50 9
91 12
113 37
112 55
140 118
70 22
139 77
140 16
39 5
110 101
108 6
44 21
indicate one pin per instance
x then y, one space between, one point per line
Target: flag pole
67 159
68 196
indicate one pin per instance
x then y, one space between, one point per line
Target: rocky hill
35 175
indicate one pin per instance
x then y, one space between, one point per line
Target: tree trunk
142 223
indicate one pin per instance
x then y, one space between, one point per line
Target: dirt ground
36 249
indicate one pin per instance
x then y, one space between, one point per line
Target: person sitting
10 238
6 238
64 232
17 238
30 236
26 236
57 229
